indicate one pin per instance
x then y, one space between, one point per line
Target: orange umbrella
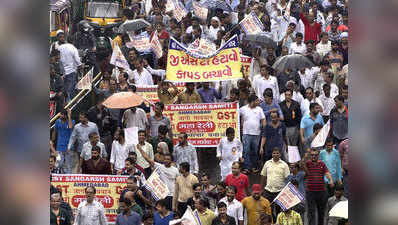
123 100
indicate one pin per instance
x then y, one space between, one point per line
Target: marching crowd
278 109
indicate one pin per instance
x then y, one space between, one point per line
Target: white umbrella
340 210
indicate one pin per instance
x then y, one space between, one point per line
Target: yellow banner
183 65
204 123
108 187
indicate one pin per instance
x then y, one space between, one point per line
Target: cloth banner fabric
140 42
189 218
183 65
109 188
179 10
320 139
289 197
156 186
246 62
131 135
200 11
156 46
251 24
204 123
85 82
118 59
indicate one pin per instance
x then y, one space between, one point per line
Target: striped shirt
314 179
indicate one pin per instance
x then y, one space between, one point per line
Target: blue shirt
208 95
300 178
307 123
333 163
63 134
133 219
157 220
267 110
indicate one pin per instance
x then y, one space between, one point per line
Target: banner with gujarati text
184 65
156 186
204 123
251 24
108 189
289 197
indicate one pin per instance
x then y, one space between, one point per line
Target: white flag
118 58
156 46
200 11
320 139
189 218
85 82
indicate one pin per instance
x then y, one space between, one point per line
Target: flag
200 10
85 82
289 197
189 218
118 58
320 139
156 186
251 24
156 46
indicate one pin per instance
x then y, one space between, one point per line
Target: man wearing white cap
60 40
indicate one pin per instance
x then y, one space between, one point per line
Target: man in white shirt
263 81
135 117
90 211
234 207
327 101
306 75
228 151
324 46
71 62
145 147
140 75
252 119
334 90
297 96
119 153
298 47
309 98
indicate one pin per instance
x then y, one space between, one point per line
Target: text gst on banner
108 188
205 124
183 65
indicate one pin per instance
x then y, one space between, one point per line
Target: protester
54 169
88 146
127 217
339 120
255 205
161 137
90 211
163 215
135 117
206 216
239 180
139 194
197 194
273 135
289 217
228 151
190 95
344 151
147 148
185 152
233 207
331 157
130 169
183 188
129 195
332 201
97 164
223 218
119 154
58 215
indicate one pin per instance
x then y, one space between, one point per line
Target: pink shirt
343 151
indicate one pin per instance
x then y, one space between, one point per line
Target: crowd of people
277 109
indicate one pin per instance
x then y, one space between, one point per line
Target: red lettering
119 189
64 188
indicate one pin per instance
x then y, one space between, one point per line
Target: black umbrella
217 4
293 62
133 25
261 39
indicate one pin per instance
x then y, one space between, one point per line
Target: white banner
206 47
251 24
157 187
156 46
179 10
289 197
320 139
118 58
85 82
200 10
189 218
131 135
140 42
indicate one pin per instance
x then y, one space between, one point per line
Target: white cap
344 35
215 18
59 32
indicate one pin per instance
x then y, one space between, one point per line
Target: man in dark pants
316 194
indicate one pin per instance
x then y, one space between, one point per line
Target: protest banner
85 82
118 59
169 6
156 46
204 123
140 42
184 65
251 24
246 62
289 197
179 10
200 11
320 139
189 218
206 47
150 92
109 188
156 186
